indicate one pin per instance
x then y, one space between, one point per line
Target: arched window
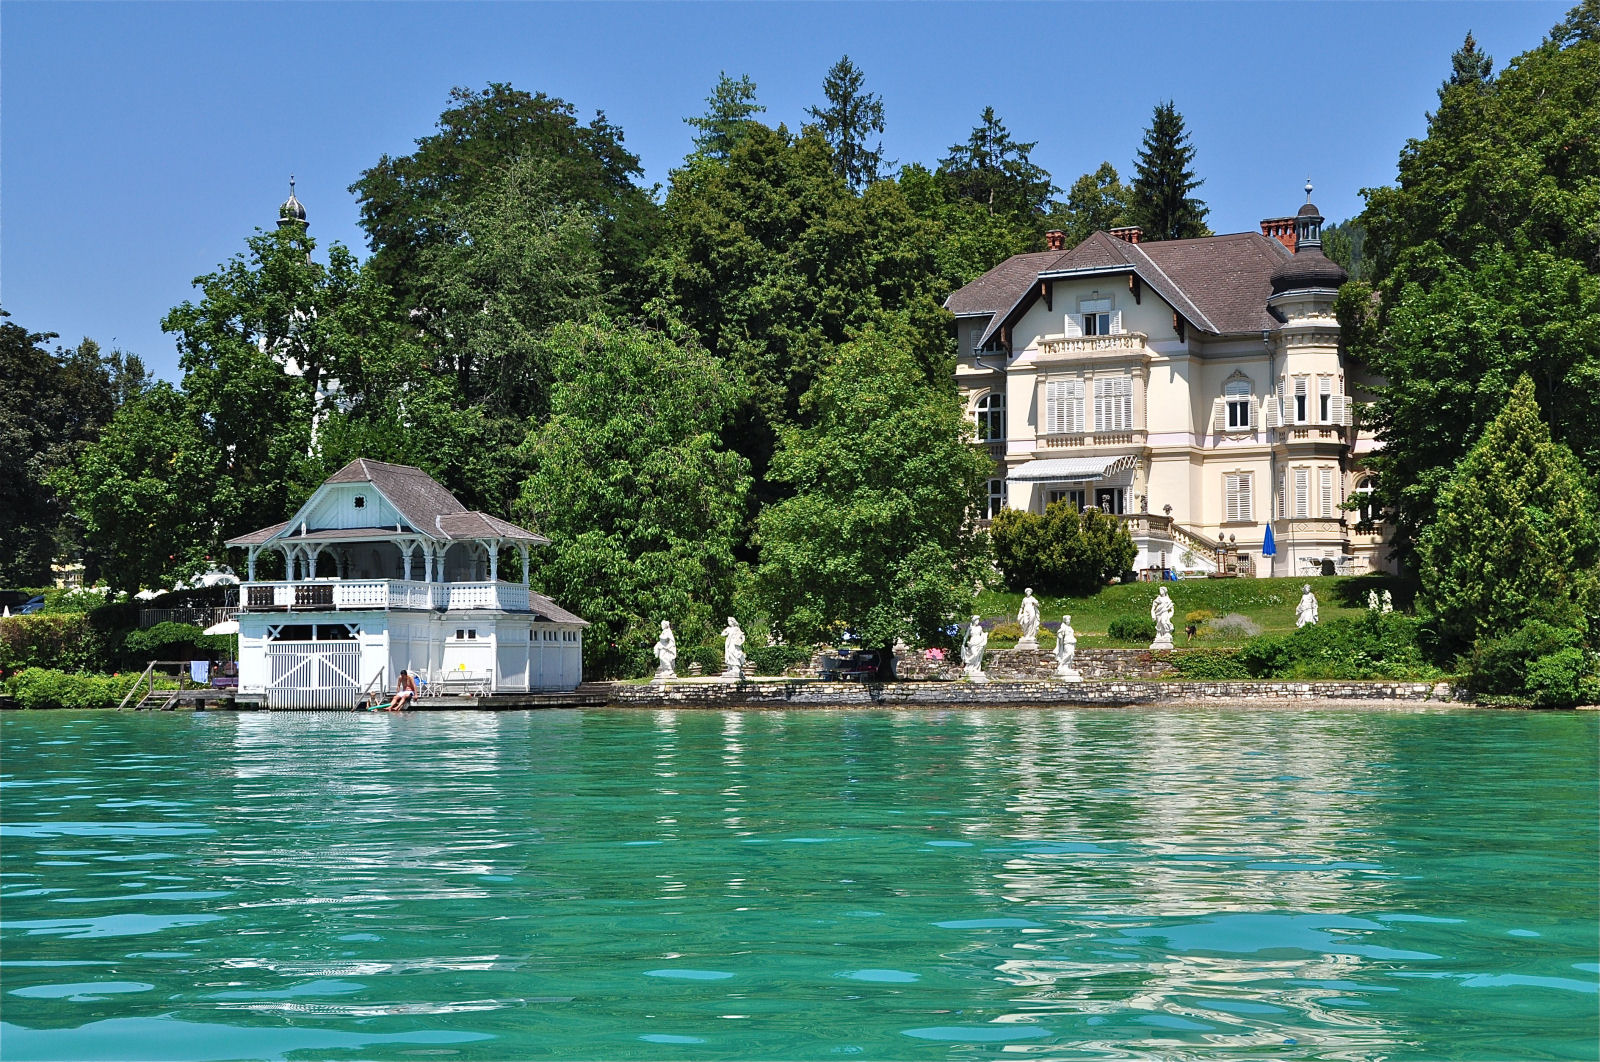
992 417
1367 500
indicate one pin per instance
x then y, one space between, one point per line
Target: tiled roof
1220 284
417 495
482 525
544 608
1000 288
423 501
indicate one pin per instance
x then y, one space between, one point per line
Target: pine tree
848 122
997 172
1163 180
1468 66
1517 537
730 105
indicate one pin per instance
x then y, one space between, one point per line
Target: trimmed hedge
776 659
58 641
1132 629
1210 665
1377 646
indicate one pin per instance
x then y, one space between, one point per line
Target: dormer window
361 501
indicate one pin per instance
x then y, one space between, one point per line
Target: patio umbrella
1269 547
227 626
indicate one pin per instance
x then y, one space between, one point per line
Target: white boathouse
385 570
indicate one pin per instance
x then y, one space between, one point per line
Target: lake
1061 883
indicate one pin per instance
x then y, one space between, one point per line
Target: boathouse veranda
385 570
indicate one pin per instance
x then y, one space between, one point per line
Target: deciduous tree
879 537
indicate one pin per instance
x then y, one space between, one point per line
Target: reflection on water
1072 883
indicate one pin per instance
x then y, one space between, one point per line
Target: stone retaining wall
1032 664
812 693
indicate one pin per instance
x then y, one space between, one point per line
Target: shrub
777 659
1500 665
44 688
1004 632
1210 665
1132 629
709 657
57 641
1561 679
176 640
1199 616
1374 646
1236 623
1062 552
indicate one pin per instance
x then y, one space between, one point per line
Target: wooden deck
588 695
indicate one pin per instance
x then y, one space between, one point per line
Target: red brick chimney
1055 240
1128 233
1280 229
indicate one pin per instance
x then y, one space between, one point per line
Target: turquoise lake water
1404 884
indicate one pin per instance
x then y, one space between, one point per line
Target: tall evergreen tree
730 110
997 172
1517 536
1163 179
848 123
1468 67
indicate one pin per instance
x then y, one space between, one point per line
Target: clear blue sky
141 143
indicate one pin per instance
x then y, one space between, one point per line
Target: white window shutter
1325 488
1219 415
1053 412
1283 414
1302 493
1246 510
1116 322
1341 410
1230 489
1074 414
1073 327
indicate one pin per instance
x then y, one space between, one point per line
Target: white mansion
1193 387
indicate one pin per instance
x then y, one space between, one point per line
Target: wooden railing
327 595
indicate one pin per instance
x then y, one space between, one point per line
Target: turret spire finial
1308 189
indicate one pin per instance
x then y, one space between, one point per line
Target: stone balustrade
1088 346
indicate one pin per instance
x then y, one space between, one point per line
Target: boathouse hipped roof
429 509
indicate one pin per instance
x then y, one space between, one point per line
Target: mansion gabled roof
429 509
1220 284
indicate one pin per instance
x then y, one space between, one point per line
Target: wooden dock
587 695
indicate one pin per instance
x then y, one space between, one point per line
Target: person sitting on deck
405 692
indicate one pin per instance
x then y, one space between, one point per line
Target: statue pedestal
733 674
664 674
1068 674
976 675
1163 641
1027 642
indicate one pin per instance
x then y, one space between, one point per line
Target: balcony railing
1092 438
325 595
1079 346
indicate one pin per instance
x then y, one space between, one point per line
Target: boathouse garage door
313 674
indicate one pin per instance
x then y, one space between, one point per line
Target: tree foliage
642 503
1096 202
848 123
878 536
1517 537
731 110
1062 551
52 405
1163 179
1484 257
408 202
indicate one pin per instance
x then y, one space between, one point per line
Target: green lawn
1269 602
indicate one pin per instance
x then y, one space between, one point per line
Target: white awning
1069 469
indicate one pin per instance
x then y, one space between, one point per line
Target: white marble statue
1066 651
1388 602
1028 619
1305 613
972 651
666 650
1372 601
1161 610
733 651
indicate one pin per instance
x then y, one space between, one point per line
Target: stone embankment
1041 664
802 693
